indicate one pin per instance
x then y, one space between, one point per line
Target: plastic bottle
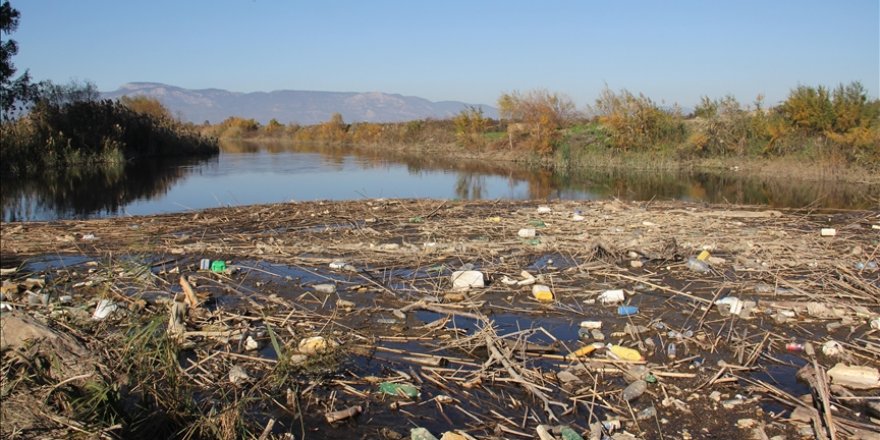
634 390
627 310
670 350
697 265
794 346
624 353
218 266
647 413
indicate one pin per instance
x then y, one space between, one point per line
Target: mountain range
293 106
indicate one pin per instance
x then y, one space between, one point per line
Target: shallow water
244 174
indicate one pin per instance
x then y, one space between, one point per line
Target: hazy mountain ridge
286 106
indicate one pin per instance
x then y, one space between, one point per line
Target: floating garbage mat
628 320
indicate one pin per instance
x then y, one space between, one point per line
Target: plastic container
205 264
399 389
627 310
624 353
526 233
542 293
612 296
218 266
671 351
697 265
634 390
794 347
828 232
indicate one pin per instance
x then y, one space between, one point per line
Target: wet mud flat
407 318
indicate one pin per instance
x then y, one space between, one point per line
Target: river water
252 173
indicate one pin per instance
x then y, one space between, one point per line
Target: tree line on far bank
840 124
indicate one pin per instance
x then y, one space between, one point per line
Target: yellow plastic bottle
542 293
584 351
624 353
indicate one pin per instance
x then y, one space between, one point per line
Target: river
254 173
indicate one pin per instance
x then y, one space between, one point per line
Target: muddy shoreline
374 281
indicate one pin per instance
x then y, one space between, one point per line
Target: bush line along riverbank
69 125
837 128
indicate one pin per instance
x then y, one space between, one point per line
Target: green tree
13 92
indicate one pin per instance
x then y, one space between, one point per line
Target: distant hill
303 107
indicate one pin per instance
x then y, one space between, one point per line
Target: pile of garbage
437 319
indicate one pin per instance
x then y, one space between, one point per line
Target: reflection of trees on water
608 183
77 192
80 192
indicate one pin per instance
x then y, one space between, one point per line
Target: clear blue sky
672 51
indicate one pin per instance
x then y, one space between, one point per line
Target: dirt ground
342 320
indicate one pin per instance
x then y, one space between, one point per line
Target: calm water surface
244 174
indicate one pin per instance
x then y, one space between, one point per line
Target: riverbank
340 319
590 157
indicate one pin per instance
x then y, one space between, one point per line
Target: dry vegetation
488 362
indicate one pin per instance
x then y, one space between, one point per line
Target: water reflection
80 192
250 172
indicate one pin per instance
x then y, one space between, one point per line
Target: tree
13 92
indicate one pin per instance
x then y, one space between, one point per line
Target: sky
471 51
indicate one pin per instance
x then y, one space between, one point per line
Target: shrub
538 114
636 122
470 124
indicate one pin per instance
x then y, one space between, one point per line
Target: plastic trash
857 377
542 293
697 265
733 304
794 347
634 390
218 266
624 353
627 310
316 345
871 265
704 256
591 325
832 348
325 288
238 374
671 351
569 434
338 264
399 389
647 413
577 217
828 232
526 233
421 434
205 264
104 309
584 351
467 279
544 210
612 296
